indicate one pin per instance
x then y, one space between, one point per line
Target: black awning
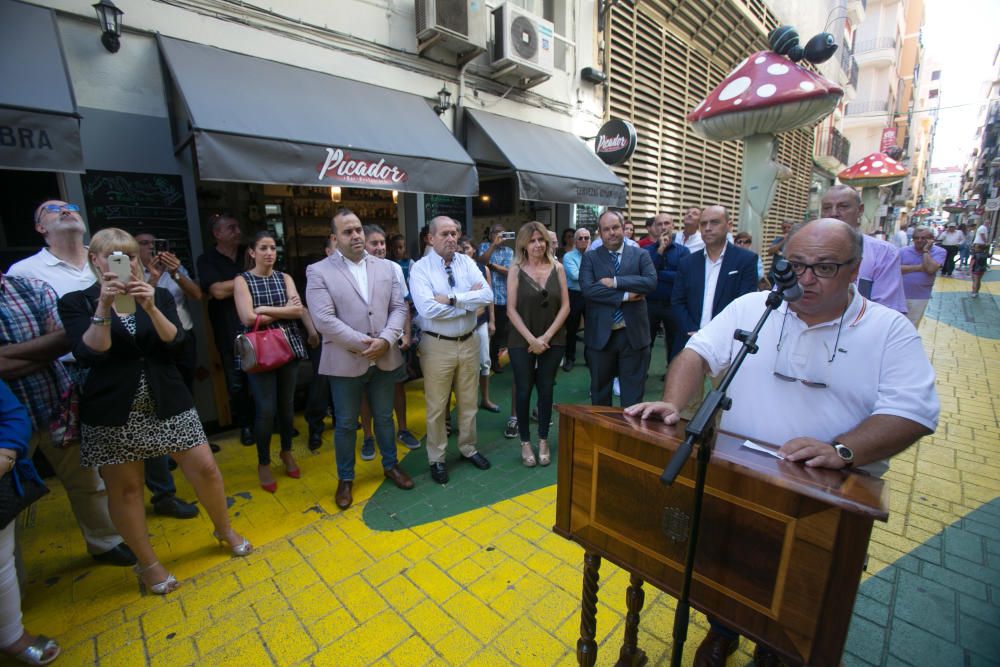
260 121
551 165
39 125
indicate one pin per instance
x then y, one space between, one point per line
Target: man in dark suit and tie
615 279
708 280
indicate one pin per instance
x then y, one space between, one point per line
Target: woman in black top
134 404
266 293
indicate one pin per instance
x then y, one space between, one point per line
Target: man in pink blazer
356 302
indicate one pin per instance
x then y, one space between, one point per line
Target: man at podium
840 380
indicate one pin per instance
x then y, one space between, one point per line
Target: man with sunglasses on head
838 381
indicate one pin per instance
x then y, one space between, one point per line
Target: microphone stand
700 431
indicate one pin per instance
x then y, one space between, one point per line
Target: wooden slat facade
666 56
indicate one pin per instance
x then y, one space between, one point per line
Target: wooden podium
781 547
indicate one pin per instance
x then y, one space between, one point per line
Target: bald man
880 277
837 382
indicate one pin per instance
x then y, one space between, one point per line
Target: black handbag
12 502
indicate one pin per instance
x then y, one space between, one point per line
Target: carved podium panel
781 547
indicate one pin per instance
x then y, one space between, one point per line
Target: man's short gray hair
373 229
441 218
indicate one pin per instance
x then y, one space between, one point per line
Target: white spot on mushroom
734 88
883 170
807 86
737 102
707 109
767 90
890 160
759 60
777 69
863 167
877 163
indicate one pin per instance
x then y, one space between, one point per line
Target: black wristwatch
844 452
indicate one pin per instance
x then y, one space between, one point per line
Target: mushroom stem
760 180
870 200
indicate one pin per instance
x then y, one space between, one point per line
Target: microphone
785 282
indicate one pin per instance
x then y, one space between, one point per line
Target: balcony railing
849 65
834 144
875 44
867 107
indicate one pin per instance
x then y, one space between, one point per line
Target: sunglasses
55 208
743 242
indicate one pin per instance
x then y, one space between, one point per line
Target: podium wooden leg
586 647
631 655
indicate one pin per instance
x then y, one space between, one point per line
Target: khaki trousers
87 496
447 363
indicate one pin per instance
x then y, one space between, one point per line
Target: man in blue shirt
498 257
571 263
665 255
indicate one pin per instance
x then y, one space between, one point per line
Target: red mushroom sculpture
871 172
766 94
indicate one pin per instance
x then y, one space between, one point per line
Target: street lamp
444 101
110 18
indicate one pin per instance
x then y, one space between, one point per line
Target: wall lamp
444 101
110 18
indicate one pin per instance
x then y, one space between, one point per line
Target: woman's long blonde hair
107 241
524 238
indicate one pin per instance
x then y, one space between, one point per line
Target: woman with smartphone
268 294
133 403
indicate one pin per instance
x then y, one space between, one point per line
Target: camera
121 265
160 245
508 236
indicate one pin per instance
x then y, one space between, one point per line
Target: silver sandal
34 653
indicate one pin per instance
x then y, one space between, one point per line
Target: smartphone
160 245
120 264
508 236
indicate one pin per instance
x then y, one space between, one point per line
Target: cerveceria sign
615 142
340 166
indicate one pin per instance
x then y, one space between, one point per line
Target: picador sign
340 166
615 142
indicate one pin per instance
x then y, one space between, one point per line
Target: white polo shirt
62 276
878 367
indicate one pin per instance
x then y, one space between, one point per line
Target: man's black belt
458 339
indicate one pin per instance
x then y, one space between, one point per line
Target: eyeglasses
742 242
808 383
820 269
451 275
55 208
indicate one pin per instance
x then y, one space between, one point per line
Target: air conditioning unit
459 26
523 44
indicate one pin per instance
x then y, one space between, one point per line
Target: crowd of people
121 348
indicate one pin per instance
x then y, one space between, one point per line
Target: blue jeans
380 386
273 393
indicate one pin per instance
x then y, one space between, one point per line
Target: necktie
618 316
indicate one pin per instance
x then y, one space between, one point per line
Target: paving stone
919 647
926 604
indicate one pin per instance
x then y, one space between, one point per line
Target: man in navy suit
614 279
708 280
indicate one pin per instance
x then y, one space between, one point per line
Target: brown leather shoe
715 650
764 657
344 497
399 478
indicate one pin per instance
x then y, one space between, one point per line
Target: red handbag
262 350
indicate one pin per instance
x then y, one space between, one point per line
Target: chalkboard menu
587 215
140 203
453 207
